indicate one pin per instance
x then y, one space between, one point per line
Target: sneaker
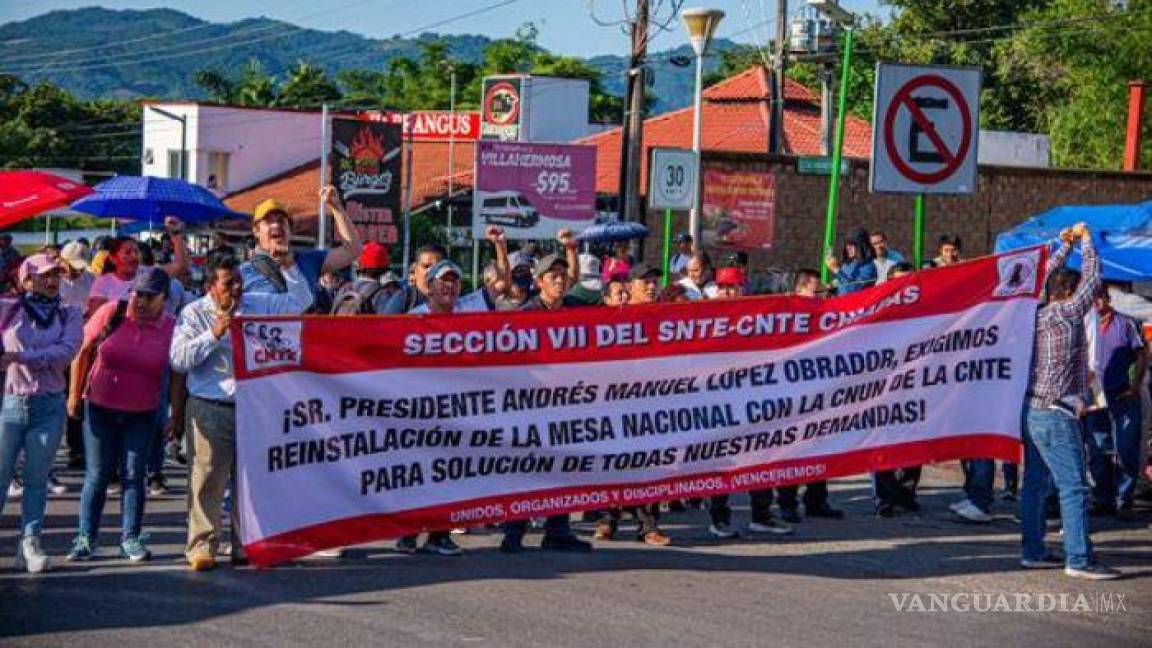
460 531
824 512
114 487
406 545
1049 561
1095 571
773 526
656 539
956 506
443 546
971 513
722 531
30 556
512 545
134 549
886 511
54 485
202 561
568 543
81 550
16 488
791 516
157 486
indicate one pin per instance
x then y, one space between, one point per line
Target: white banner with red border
357 429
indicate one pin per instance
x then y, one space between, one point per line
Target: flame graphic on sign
367 149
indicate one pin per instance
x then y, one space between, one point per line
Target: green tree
1086 53
307 85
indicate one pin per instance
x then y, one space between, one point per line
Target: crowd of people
112 347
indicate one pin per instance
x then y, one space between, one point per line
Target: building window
174 158
218 172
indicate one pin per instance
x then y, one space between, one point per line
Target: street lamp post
451 148
701 25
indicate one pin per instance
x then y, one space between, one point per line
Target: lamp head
701 25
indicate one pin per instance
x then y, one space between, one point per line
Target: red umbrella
24 194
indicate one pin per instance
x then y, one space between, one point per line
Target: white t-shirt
112 288
473 302
75 292
691 291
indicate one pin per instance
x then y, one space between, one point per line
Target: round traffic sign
904 99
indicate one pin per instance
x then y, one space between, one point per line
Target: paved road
832 583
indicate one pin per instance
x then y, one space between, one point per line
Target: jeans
1054 449
1113 438
34 424
556 526
114 438
979 476
895 487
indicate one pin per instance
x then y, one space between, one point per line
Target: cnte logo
272 344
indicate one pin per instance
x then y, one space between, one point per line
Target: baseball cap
683 237
267 207
75 254
642 270
730 277
37 264
374 256
545 264
152 281
443 267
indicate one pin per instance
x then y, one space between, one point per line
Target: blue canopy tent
1123 236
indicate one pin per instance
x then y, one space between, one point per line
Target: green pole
837 155
667 245
918 245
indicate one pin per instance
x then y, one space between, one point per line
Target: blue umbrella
1122 233
612 232
151 199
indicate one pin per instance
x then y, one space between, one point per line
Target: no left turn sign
925 129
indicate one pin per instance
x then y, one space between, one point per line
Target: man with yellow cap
274 265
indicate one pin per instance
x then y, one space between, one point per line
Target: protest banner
366 171
739 205
533 190
356 429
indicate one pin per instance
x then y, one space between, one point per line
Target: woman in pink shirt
120 372
38 337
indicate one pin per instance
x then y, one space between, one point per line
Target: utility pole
776 125
632 134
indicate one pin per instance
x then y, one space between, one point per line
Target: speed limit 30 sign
925 129
672 178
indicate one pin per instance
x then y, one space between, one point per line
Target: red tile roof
736 117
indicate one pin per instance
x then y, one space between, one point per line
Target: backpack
357 298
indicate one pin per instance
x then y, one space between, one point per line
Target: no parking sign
925 128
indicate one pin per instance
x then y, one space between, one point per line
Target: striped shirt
1060 361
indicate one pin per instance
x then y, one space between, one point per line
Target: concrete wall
1005 197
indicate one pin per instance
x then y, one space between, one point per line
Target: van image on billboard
509 208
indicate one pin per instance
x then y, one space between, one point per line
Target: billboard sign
739 205
432 125
533 190
500 108
366 170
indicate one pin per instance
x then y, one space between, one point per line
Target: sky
565 25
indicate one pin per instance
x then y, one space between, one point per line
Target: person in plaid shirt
1057 396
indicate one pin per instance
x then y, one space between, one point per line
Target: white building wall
259 143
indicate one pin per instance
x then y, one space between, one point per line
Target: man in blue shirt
274 265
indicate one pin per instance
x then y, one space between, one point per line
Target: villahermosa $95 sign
359 429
